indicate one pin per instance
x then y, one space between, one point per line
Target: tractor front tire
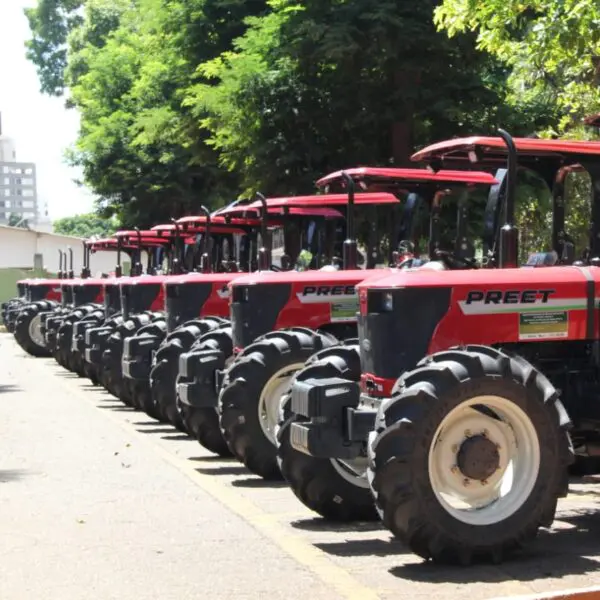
203 422
163 376
28 328
253 385
330 487
462 425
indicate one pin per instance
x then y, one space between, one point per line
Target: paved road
100 502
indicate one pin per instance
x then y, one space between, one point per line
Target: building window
28 193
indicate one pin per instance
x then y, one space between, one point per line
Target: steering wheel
456 262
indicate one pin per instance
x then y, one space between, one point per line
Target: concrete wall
18 248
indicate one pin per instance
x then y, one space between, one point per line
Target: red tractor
200 301
471 399
140 300
72 331
280 319
218 247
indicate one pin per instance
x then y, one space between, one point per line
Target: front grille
82 294
184 301
255 310
112 299
395 340
139 297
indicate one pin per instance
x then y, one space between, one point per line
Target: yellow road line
267 524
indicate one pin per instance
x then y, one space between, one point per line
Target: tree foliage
551 46
85 226
318 85
196 102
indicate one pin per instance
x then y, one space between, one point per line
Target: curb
591 593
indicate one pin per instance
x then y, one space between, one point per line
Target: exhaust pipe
176 264
509 234
138 268
61 274
205 262
119 268
264 252
71 272
350 248
85 269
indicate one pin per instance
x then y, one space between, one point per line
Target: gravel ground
100 502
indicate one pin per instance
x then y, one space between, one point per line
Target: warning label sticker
543 325
344 310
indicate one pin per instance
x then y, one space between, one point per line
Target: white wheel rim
35 331
270 398
353 471
499 496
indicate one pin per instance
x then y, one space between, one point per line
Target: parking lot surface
100 502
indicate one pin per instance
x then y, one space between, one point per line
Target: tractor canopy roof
218 224
409 176
532 152
129 240
312 203
299 206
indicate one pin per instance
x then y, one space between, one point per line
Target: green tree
50 22
552 47
85 225
318 85
141 150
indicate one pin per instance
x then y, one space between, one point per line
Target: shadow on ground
557 553
9 475
227 469
257 482
9 387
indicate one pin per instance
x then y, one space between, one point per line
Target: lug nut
454 469
485 433
484 482
454 448
467 433
466 482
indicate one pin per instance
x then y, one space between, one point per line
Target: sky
40 125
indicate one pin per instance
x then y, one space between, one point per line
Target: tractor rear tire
163 376
326 486
203 423
458 425
27 328
112 356
250 398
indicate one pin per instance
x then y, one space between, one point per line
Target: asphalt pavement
100 502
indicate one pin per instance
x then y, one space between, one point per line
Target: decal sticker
344 311
543 325
517 301
223 292
321 294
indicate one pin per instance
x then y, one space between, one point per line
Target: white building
18 189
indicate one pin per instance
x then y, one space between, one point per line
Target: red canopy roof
459 148
218 223
324 200
410 175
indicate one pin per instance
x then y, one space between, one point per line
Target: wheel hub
478 458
